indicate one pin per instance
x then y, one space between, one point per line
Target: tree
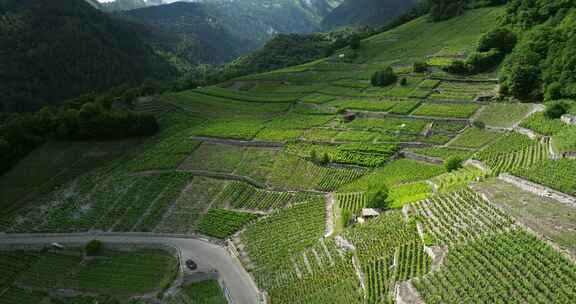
479 62
384 78
378 198
453 163
314 156
420 67
403 82
446 9
355 42
501 39
345 217
479 124
93 247
556 109
325 159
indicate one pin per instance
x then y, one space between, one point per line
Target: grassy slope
420 38
52 165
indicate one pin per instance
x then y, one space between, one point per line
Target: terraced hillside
280 168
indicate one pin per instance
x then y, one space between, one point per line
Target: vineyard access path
238 283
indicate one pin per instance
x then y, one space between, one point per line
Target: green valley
403 167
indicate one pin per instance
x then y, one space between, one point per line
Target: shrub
420 67
553 91
378 198
314 156
501 39
556 109
453 163
479 124
384 78
345 217
325 159
355 42
403 82
446 9
484 61
477 62
93 247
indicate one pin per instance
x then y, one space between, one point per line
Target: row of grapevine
460 216
380 237
222 223
353 202
389 250
240 195
379 276
457 179
322 273
559 174
272 240
119 203
194 201
512 152
511 267
367 155
292 173
412 261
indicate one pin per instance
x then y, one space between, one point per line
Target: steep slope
366 12
219 31
53 50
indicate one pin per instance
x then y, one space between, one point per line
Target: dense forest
53 50
543 63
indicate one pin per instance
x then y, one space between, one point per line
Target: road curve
241 288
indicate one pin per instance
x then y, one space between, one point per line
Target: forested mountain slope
219 31
53 50
366 12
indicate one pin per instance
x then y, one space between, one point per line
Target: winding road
240 286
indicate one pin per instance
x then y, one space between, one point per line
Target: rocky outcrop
569 119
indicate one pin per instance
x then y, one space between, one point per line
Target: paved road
241 288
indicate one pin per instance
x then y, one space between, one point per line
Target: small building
569 119
370 213
349 117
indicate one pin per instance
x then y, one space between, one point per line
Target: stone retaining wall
428 159
569 119
243 143
478 164
371 114
527 132
538 189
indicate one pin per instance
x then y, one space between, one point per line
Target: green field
504 115
31 275
475 138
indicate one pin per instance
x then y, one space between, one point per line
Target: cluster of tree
88 117
93 247
543 63
557 108
453 163
492 49
378 197
319 160
384 78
